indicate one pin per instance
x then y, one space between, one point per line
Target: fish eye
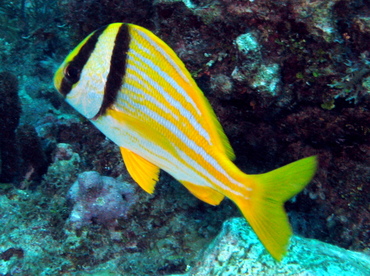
72 73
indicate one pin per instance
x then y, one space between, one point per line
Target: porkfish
133 87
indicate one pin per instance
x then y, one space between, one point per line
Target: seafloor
287 79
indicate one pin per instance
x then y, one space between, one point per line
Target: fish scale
132 86
174 101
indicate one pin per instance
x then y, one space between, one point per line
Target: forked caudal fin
265 208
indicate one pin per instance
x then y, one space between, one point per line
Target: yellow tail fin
265 208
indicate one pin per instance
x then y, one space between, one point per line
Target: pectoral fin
205 194
141 170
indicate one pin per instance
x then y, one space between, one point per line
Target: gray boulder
237 251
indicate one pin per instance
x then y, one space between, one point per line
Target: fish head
82 76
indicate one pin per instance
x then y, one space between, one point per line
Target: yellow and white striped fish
134 88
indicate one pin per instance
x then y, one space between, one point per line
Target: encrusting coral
101 199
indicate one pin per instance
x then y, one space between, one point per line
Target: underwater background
287 79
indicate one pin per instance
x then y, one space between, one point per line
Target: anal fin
145 173
205 194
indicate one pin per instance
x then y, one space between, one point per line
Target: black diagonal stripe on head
73 70
117 69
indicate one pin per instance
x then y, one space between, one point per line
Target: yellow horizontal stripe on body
155 149
163 56
166 125
133 134
200 159
192 155
159 124
146 87
161 82
185 127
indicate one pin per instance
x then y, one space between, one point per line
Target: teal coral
259 74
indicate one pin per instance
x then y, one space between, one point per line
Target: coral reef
160 235
354 85
237 251
27 243
287 79
56 181
20 19
265 78
100 199
87 16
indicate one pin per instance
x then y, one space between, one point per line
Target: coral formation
253 70
354 86
100 199
27 243
62 171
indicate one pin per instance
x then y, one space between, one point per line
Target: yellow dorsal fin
205 194
142 171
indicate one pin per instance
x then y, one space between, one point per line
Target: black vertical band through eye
72 73
73 70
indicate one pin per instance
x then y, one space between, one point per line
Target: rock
100 198
237 251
